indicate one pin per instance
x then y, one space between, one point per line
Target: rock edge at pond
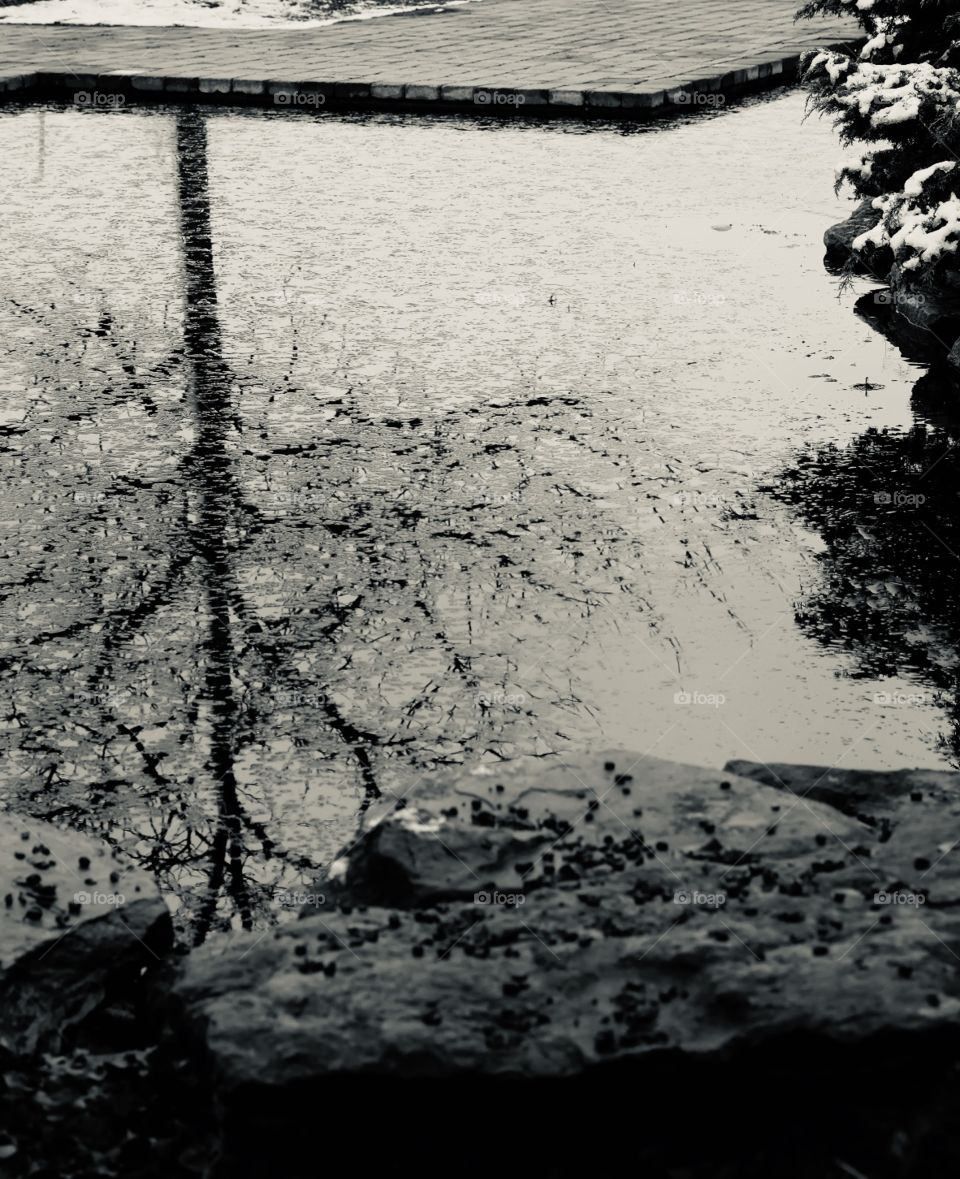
77 923
838 240
626 906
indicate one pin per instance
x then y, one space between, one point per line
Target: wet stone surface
542 920
77 922
309 491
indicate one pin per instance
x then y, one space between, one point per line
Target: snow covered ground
210 13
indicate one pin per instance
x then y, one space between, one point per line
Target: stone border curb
114 89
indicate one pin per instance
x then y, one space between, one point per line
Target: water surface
336 449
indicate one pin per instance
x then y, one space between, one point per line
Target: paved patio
568 47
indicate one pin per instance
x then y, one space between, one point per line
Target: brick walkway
619 46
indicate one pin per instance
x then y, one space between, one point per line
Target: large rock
838 239
645 907
668 944
929 299
879 798
918 312
76 925
918 344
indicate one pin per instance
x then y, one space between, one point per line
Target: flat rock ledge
543 918
77 924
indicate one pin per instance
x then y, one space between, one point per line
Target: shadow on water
887 507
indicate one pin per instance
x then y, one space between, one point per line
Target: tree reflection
223 524
247 594
887 506
219 504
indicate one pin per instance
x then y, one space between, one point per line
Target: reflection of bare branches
439 555
221 508
124 624
885 506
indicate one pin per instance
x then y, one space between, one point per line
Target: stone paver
570 47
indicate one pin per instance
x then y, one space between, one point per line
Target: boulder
838 239
913 814
540 919
912 319
875 797
929 299
916 343
77 924
592 955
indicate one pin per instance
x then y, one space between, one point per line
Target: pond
499 439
